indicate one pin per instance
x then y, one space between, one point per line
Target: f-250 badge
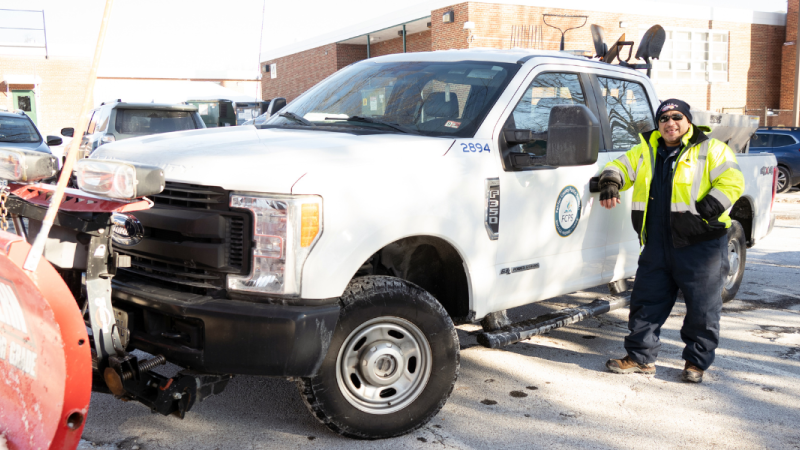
492 216
568 211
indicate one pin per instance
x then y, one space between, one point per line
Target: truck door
626 110
548 243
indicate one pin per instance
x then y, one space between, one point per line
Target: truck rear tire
737 256
392 362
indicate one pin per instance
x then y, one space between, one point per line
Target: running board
526 329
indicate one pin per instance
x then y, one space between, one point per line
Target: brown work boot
692 373
627 365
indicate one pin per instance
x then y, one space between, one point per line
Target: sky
201 38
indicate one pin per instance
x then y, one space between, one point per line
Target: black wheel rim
782 180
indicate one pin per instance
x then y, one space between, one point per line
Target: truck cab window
533 110
629 112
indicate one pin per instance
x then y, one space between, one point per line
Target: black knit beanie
674 105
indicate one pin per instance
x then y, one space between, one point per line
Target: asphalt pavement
551 391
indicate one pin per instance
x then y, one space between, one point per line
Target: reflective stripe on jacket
704 167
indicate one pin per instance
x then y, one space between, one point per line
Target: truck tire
737 256
392 362
784 180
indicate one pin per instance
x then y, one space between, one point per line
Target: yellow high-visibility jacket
704 167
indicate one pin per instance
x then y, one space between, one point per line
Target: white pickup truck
338 244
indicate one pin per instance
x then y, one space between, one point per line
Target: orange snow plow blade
45 356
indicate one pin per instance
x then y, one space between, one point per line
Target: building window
273 70
693 56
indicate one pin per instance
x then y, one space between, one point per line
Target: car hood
270 160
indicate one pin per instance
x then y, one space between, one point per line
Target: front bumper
225 336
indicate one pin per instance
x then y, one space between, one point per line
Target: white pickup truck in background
339 243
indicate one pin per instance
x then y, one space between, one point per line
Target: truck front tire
392 362
737 256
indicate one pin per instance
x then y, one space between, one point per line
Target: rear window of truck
140 122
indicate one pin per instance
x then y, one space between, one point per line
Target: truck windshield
140 122
427 98
18 130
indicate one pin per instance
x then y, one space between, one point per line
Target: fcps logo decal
568 211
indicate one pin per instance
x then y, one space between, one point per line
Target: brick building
46 88
715 58
789 58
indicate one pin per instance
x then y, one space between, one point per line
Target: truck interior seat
437 106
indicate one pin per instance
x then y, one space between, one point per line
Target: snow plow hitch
128 378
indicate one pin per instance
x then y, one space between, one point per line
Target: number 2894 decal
474 147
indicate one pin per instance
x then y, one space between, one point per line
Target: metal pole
367 46
404 38
796 103
44 29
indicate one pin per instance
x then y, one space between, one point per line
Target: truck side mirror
68 132
573 136
275 105
54 140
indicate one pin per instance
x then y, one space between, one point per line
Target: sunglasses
675 117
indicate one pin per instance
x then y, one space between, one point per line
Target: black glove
709 208
609 190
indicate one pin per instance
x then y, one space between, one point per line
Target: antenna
563 32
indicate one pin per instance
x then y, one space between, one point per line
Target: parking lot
552 391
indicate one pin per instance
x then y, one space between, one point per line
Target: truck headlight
118 179
26 165
286 227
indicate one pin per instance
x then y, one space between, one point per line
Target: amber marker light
309 227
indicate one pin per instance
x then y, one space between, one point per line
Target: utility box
732 129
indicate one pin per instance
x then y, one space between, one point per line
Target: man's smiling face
672 130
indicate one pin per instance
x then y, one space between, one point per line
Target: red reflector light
774 186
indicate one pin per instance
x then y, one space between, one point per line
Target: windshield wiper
4 136
364 119
296 118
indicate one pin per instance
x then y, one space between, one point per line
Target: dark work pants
699 271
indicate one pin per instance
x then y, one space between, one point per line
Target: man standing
683 183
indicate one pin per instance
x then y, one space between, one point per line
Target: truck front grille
176 274
192 196
193 240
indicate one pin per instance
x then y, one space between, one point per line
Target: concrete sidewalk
787 206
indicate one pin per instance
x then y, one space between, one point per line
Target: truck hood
270 160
